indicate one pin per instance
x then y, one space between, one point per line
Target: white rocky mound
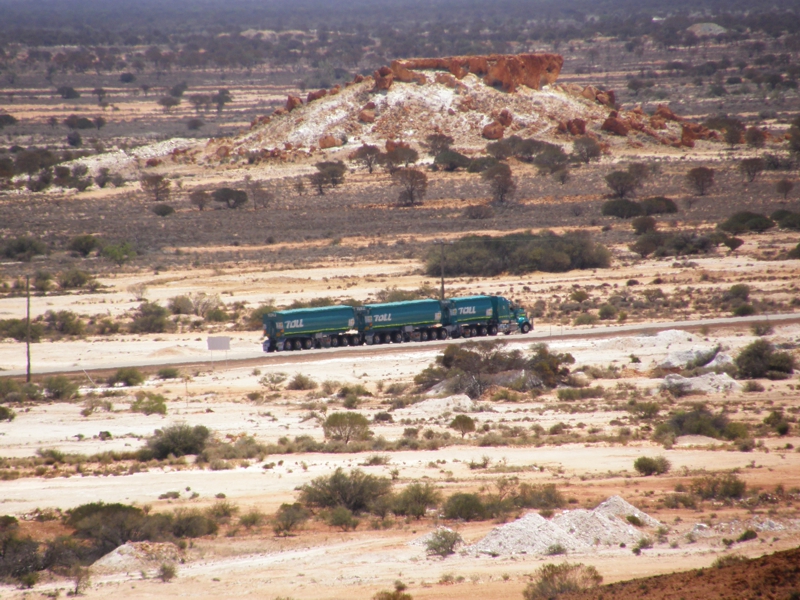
575 531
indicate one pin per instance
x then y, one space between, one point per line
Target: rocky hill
474 99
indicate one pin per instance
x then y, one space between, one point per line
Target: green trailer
416 320
305 328
472 316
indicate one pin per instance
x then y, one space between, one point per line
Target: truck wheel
492 329
297 344
443 334
334 342
526 327
482 331
308 344
473 332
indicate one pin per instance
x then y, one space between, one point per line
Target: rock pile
136 556
574 531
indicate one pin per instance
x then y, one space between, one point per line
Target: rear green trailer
305 328
416 320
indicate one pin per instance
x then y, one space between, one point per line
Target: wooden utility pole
28 326
441 243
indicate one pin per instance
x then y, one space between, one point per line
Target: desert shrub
6 414
83 245
481 164
719 487
623 183
658 205
552 580
163 210
463 424
150 318
168 373
301 382
149 403
128 376
519 253
178 440
760 359
450 160
744 310
416 499
752 386
443 542
746 221
73 278
568 394
119 253
479 212
651 465
464 507
642 225
64 322
23 248
355 491
541 497
222 511
585 319
728 560
192 523
167 572
289 518
700 179
621 208
747 535
698 421
60 387
607 311
17 329
346 427
673 501
343 518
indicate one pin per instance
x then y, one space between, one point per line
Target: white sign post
221 342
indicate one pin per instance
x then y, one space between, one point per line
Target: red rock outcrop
366 116
406 75
505 118
293 102
316 95
507 71
328 141
493 131
383 78
573 127
615 125
665 113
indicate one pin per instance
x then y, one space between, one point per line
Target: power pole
441 243
28 326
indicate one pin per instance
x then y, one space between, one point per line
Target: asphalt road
544 333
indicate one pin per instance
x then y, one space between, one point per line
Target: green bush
585 319
119 253
552 580
346 427
60 388
621 208
128 376
355 491
652 466
659 206
519 253
168 373
178 440
607 311
760 359
343 518
463 424
416 499
74 278
746 221
568 394
6 414
719 487
450 160
163 210
541 497
289 518
84 244
23 248
642 225
64 322
443 542
301 382
744 310
167 572
18 330
149 403
464 507
150 318
747 535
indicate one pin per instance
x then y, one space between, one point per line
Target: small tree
156 186
501 182
552 580
368 156
167 572
622 183
168 103
329 174
413 184
399 156
783 187
463 424
438 143
651 466
230 197
755 137
751 168
221 98
259 195
200 199
81 577
700 179
346 427
100 93
74 139
586 149
642 225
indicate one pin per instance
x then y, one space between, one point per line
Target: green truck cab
473 316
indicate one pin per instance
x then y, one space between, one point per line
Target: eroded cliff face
507 71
